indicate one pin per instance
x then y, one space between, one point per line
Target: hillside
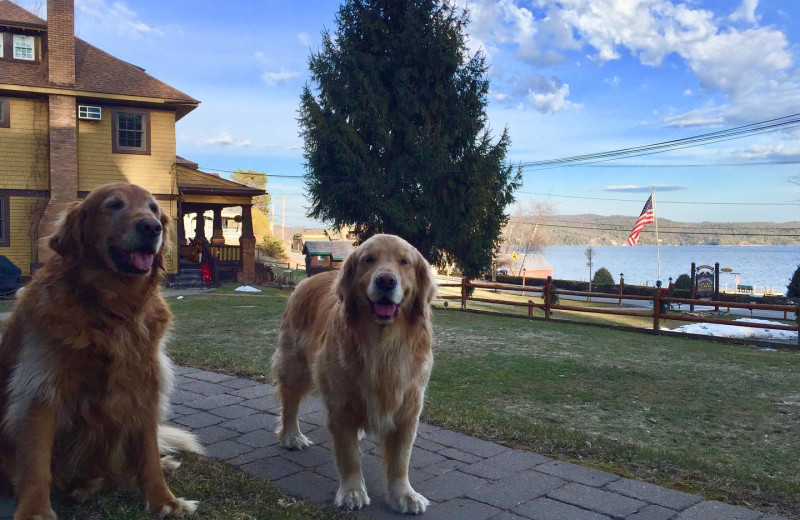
575 230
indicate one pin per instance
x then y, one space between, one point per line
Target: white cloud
746 12
553 101
278 78
304 39
741 63
546 95
614 82
224 138
697 117
772 152
640 188
117 17
260 57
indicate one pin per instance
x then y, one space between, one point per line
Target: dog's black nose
149 227
386 281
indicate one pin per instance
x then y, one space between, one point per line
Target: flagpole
655 218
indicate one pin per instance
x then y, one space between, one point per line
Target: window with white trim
23 47
2 39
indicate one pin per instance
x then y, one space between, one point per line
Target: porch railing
227 254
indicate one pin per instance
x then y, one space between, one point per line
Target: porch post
200 226
216 238
247 243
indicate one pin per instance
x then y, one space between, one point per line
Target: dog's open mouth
133 262
384 310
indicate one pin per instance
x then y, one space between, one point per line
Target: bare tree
525 233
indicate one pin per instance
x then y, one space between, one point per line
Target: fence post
656 309
621 286
522 292
716 288
693 294
464 283
530 308
797 322
548 288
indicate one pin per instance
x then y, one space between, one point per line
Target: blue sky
568 77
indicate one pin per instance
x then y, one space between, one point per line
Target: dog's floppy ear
167 230
344 286
426 287
67 240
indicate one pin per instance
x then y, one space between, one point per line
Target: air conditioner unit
90 113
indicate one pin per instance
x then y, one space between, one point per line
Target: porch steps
188 277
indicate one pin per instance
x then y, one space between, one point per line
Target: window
131 131
5 240
5 113
23 48
90 113
2 40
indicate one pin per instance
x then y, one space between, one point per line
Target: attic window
131 131
23 48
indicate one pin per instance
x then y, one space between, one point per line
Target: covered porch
225 250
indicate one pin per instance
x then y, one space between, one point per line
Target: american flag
647 216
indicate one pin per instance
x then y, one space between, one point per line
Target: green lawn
713 419
224 494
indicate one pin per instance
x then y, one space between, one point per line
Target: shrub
793 289
602 277
272 246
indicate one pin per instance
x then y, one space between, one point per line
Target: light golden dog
82 365
362 337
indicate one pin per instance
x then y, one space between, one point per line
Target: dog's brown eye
368 260
115 204
404 261
154 207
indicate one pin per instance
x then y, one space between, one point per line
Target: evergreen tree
396 136
793 289
602 277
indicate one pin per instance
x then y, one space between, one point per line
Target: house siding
24 161
98 165
19 251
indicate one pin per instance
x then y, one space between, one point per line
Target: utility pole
283 217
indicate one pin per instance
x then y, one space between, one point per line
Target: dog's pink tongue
142 261
385 310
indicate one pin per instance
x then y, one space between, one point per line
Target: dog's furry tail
172 439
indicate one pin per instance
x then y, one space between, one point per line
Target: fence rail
658 313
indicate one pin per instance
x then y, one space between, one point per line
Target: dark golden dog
82 364
362 336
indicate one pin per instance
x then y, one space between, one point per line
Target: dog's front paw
351 499
407 501
296 441
175 508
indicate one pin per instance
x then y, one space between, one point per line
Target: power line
689 165
776 227
624 230
666 201
770 125
269 175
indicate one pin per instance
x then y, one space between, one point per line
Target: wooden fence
656 313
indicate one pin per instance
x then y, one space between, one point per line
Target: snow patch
246 288
734 331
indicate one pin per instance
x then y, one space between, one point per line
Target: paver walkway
464 478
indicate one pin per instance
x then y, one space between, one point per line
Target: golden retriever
362 337
82 364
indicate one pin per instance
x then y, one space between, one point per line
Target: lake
759 266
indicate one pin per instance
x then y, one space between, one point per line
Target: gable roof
194 182
336 249
13 15
96 71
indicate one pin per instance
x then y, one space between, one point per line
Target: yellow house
72 118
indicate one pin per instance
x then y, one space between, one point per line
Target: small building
326 255
534 264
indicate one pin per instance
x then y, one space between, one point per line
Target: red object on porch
205 270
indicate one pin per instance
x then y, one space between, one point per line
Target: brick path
464 478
